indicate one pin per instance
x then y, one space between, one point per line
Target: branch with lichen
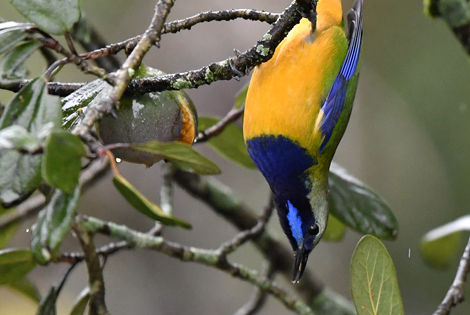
206 257
227 69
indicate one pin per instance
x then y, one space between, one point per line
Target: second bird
297 109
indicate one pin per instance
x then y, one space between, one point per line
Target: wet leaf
358 206
11 33
440 246
12 64
374 284
17 138
61 163
52 16
182 155
335 230
36 111
229 142
143 205
15 264
53 225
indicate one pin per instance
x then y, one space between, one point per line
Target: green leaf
17 137
335 230
53 225
27 288
52 16
48 303
7 232
81 302
241 97
12 65
15 264
358 206
61 163
143 205
11 33
440 246
374 284
229 142
181 155
36 111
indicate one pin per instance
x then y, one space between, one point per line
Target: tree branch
95 270
124 75
203 256
220 198
455 294
222 70
213 131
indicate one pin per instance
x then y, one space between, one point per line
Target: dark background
407 139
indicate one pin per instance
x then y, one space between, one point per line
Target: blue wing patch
334 103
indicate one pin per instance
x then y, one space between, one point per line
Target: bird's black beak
301 256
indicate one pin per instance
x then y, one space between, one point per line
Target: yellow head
329 13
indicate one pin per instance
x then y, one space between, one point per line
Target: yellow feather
286 93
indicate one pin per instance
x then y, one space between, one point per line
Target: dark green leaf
229 142
241 97
36 111
11 66
81 302
28 289
61 163
53 225
143 205
52 16
358 206
181 155
374 284
335 230
15 264
439 247
48 303
17 137
11 33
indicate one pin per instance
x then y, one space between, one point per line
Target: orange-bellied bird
297 108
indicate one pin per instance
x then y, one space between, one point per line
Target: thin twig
216 129
198 255
258 298
248 234
455 294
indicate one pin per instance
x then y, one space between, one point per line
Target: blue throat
283 163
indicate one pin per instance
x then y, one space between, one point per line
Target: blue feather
334 103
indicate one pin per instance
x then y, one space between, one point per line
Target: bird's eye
313 229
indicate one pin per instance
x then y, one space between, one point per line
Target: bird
297 108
